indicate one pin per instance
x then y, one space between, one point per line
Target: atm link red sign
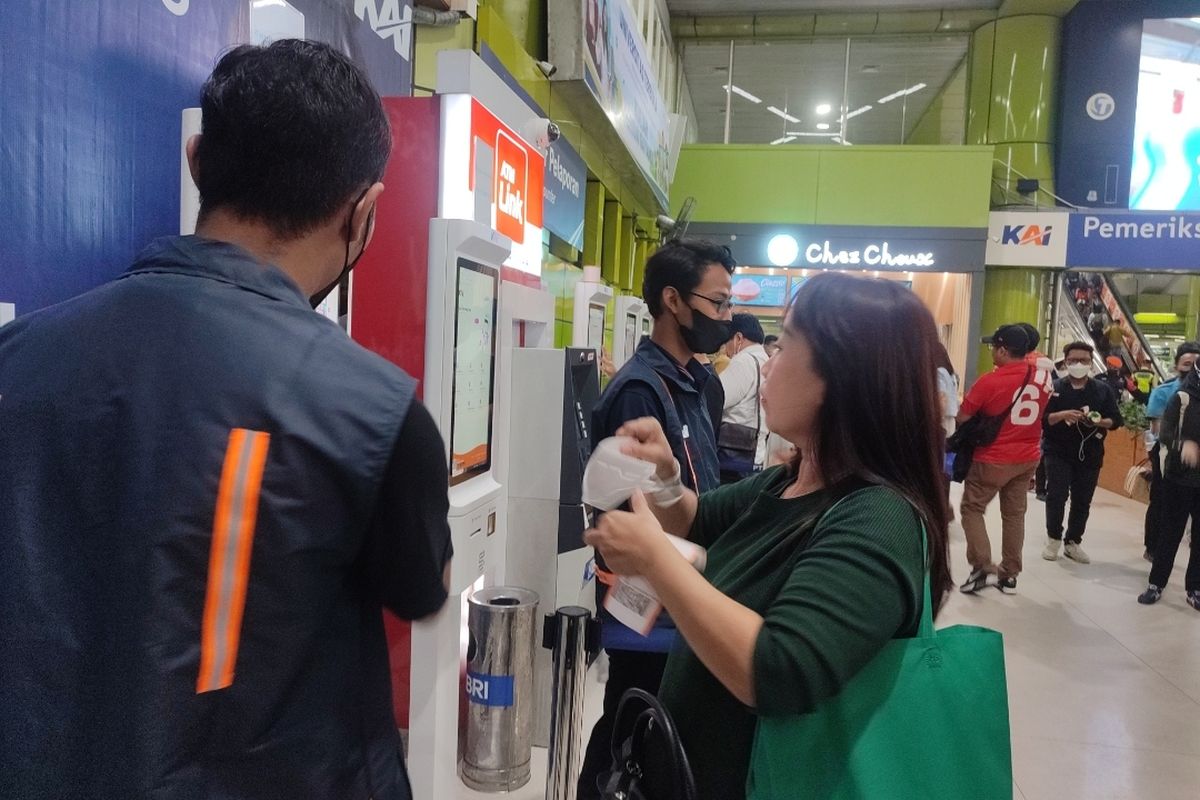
517 174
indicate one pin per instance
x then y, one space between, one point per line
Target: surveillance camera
547 68
540 132
664 222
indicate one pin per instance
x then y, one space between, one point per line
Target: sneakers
1007 585
1073 551
1151 596
977 580
1193 599
1041 496
1050 552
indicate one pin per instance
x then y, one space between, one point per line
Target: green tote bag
927 719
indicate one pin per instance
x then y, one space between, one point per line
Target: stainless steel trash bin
499 689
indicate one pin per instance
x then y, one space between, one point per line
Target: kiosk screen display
645 326
474 371
595 332
631 334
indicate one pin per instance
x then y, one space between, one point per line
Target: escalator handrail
1132 331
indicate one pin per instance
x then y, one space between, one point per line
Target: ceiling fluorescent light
777 112
822 126
892 96
794 134
742 93
824 108
916 88
784 140
857 111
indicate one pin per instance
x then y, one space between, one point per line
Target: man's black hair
291 132
748 326
1185 348
1078 346
681 263
770 339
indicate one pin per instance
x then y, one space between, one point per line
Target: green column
1013 80
1013 295
1193 309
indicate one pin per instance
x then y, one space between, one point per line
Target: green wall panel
742 183
904 186
979 83
1024 79
936 186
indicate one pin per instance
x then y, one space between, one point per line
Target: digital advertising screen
474 371
595 329
760 290
1165 172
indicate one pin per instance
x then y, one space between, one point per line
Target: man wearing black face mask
687 288
216 492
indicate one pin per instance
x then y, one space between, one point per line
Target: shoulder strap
672 411
1017 396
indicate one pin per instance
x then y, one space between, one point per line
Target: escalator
1089 303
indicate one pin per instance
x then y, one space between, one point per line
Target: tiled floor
1104 694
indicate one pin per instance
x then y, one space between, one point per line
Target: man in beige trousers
1018 391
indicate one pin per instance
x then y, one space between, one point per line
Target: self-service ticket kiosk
628 326
592 299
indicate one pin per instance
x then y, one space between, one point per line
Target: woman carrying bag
814 568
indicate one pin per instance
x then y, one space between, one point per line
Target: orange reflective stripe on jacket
229 559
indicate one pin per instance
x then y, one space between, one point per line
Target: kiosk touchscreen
595 329
628 328
474 381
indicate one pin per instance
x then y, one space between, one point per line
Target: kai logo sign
1034 235
510 187
390 19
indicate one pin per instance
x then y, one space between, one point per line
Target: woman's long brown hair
875 345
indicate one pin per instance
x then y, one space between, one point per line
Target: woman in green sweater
812 567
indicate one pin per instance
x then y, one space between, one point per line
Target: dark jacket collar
689 378
220 261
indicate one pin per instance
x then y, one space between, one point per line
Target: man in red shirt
1019 390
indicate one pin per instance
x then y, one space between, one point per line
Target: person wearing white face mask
1080 413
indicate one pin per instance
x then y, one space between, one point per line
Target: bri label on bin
490 690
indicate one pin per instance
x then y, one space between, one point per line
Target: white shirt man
742 379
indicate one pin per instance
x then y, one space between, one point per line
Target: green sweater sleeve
856 586
717 510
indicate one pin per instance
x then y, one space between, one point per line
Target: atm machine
628 328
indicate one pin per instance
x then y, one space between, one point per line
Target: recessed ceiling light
822 126
780 113
742 93
824 108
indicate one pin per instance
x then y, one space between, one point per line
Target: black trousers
627 669
1178 502
1039 478
1068 477
1150 536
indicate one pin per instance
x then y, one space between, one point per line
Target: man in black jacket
1079 414
1179 454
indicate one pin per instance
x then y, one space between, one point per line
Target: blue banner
562 193
1134 241
490 690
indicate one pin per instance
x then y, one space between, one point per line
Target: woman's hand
650 445
632 543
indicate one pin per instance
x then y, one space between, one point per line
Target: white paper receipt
632 601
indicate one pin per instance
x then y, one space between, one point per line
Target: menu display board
760 290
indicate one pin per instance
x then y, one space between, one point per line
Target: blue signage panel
562 193
760 290
1134 241
490 690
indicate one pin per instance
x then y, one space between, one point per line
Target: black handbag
737 445
649 762
979 431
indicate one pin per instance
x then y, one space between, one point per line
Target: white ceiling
719 7
800 75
